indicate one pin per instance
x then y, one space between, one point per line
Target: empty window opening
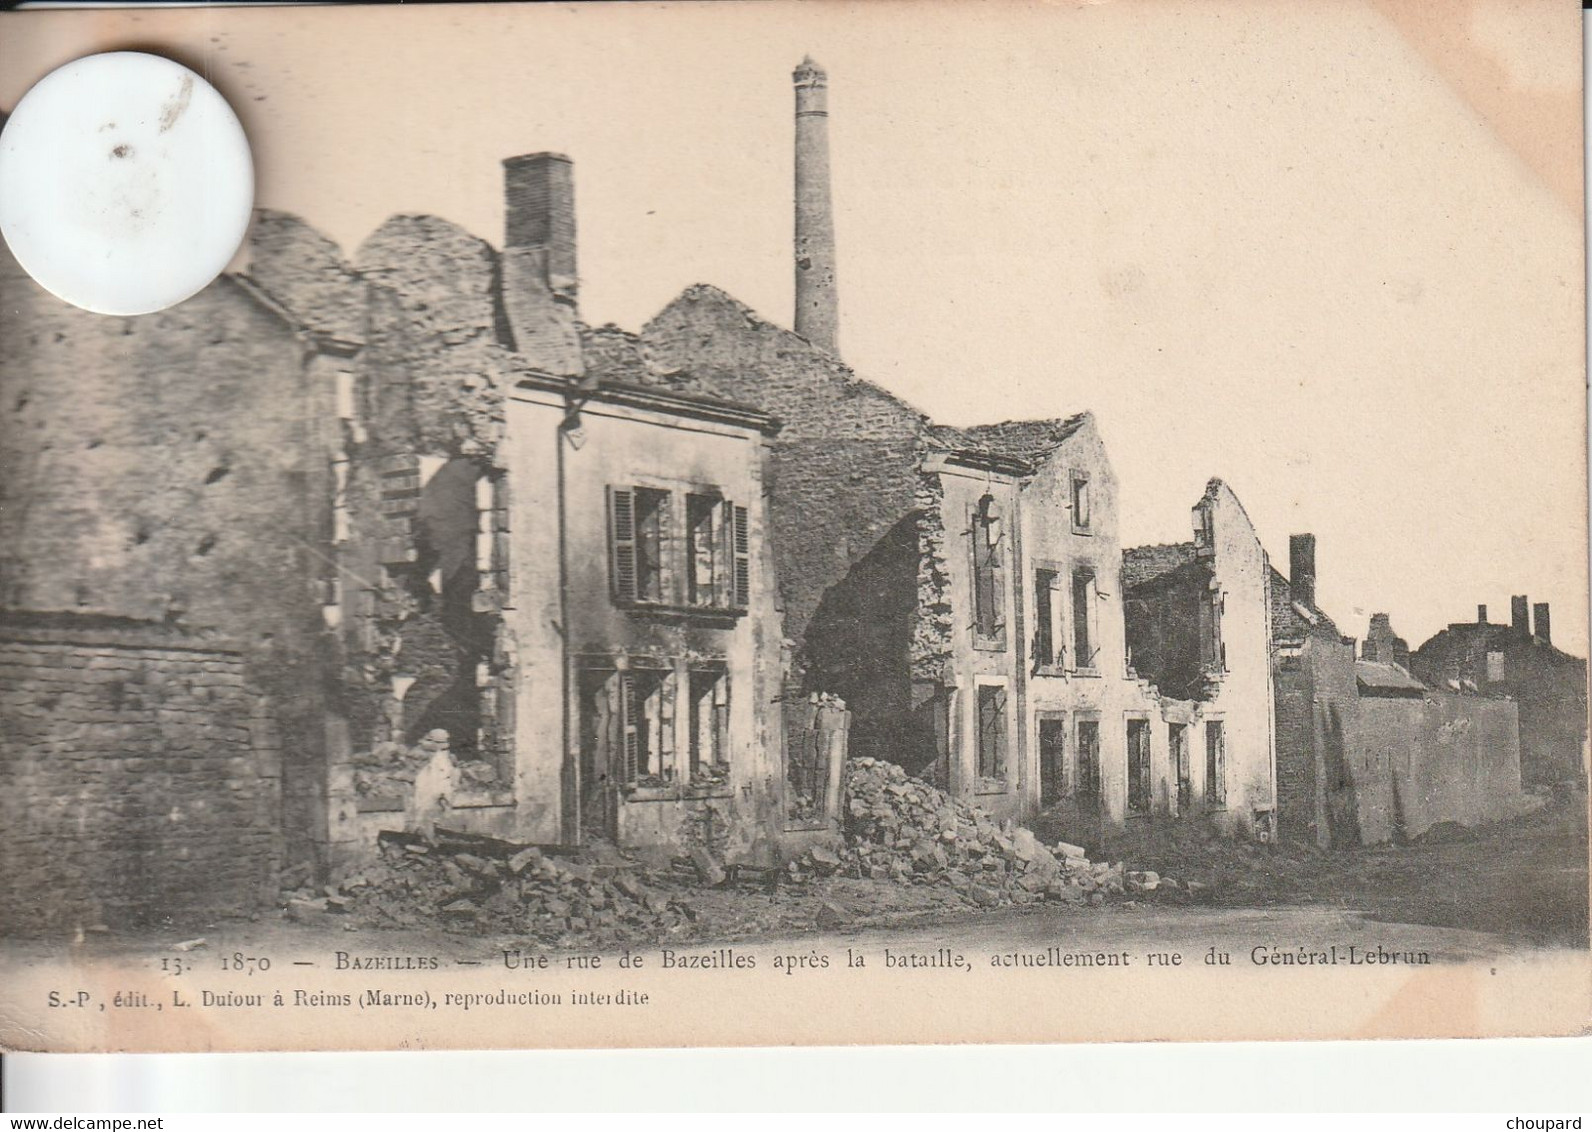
1044 618
1495 667
705 550
1080 501
1084 646
1138 766
1215 762
1053 782
989 623
991 734
1177 743
1087 784
710 725
1213 653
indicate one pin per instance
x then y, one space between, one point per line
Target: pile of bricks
903 830
482 885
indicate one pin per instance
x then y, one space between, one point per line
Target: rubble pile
902 829
492 886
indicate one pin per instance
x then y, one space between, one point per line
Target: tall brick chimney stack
1520 615
1302 568
817 303
1543 627
539 280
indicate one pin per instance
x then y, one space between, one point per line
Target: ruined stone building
957 588
1198 623
1520 661
270 552
1367 752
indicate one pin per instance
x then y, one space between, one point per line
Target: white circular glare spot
125 183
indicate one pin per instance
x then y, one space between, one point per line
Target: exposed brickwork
139 777
170 467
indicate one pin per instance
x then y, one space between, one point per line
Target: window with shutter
1215 762
630 724
622 541
741 544
639 541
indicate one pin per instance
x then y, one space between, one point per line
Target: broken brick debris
903 830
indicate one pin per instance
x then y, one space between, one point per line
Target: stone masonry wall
170 467
845 463
139 777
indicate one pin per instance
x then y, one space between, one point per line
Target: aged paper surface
814 523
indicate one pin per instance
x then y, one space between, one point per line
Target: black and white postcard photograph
802 523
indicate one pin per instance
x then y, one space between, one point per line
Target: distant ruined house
1366 752
1518 660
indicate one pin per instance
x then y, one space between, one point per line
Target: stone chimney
817 303
1302 569
539 279
1519 612
1383 644
1481 615
1543 628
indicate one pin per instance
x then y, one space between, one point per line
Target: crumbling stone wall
430 386
845 463
168 468
139 776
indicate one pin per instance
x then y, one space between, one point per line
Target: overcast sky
1331 253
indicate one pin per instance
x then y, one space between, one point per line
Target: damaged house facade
957 589
340 547
1518 660
1198 625
560 578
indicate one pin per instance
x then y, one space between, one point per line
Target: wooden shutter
622 541
629 727
740 543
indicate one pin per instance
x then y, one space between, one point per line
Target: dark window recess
710 725
600 749
1215 762
706 544
1052 761
1083 590
1088 784
1044 608
646 714
1177 741
1138 766
1213 653
989 620
1080 501
991 732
